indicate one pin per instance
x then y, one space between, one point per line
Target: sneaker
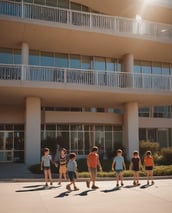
88 184
75 188
94 187
68 187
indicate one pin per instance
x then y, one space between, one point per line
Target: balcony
80 78
65 18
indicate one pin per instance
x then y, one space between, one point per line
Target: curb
13 180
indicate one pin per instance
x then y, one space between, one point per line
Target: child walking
119 164
45 165
72 171
148 165
135 166
62 165
92 163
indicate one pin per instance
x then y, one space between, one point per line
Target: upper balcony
71 87
84 21
90 78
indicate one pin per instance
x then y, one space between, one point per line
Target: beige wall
82 117
155 123
12 114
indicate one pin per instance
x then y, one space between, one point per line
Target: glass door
6 146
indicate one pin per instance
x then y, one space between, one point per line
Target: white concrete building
78 73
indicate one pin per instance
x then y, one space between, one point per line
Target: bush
147 145
166 156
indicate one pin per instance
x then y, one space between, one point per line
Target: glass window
118 67
152 135
61 60
50 127
156 68
85 8
47 59
142 134
86 62
52 3
162 111
146 67
6 56
29 1
34 58
165 69
39 2
110 64
117 137
63 127
137 67
75 6
144 112
99 63
19 140
17 57
75 61
63 3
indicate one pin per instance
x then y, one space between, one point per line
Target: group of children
69 167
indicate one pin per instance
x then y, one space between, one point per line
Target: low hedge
158 171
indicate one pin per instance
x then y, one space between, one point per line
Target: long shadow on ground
37 188
111 190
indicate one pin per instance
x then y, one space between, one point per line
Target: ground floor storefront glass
11 143
80 138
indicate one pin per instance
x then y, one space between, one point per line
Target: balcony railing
88 21
81 77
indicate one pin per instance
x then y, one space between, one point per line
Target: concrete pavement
21 191
19 197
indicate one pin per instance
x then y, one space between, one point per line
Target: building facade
78 73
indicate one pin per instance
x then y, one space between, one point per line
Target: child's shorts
62 169
72 176
149 168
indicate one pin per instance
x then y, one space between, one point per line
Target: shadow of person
63 194
33 186
117 188
37 188
85 193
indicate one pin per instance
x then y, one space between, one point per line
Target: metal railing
88 21
80 77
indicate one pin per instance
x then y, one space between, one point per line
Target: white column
131 128
32 130
25 59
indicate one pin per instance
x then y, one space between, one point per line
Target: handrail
88 21
80 77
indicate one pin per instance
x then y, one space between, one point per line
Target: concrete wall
82 117
12 114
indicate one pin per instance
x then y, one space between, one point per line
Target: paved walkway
19 197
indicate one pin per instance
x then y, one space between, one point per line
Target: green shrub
147 145
166 156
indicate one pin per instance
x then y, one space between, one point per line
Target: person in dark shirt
135 166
